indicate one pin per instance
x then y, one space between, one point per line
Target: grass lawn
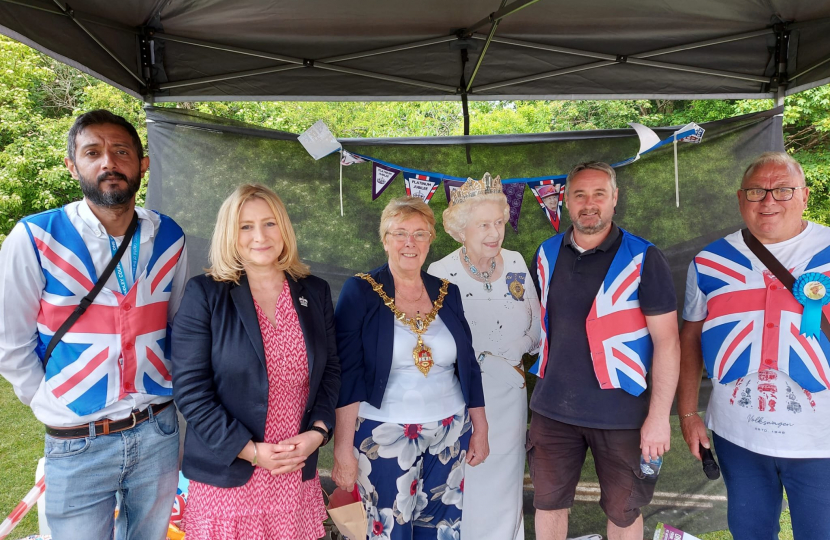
21 444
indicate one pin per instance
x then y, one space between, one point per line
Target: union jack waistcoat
753 322
621 347
120 345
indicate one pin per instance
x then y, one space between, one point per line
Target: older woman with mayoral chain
411 387
504 319
256 376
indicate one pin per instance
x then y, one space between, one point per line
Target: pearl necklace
485 275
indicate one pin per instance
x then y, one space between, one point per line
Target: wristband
253 461
322 432
687 415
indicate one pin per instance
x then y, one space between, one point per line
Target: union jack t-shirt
770 393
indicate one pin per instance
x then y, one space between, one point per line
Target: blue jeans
84 475
754 487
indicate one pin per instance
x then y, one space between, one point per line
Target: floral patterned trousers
411 477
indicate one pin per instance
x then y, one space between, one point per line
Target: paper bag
348 514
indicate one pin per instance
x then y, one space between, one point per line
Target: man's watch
322 432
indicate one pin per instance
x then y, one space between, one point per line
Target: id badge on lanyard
134 251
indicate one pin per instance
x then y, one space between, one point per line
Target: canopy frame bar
67 9
325 63
289 63
609 59
810 68
296 63
46 7
483 52
636 59
496 16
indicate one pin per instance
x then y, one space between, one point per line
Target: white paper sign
318 140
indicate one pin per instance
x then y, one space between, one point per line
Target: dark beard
113 197
588 230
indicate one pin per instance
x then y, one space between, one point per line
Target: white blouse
409 396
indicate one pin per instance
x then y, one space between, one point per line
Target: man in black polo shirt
609 362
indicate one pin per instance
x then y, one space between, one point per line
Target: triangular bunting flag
514 193
450 186
382 176
696 137
350 159
550 193
420 185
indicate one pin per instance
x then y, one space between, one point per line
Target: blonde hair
456 216
403 208
225 262
775 158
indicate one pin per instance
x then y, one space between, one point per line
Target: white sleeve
694 304
21 286
177 289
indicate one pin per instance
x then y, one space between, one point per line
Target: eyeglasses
400 235
779 193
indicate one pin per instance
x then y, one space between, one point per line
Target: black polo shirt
569 391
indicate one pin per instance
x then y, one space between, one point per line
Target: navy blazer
365 330
220 382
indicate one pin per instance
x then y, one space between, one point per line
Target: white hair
457 216
775 158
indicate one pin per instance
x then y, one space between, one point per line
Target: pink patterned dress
269 507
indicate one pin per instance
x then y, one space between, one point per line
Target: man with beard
608 314
102 388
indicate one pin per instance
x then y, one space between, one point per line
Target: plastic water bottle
650 468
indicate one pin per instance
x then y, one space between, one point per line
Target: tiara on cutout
473 188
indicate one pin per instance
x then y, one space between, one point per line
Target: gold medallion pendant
423 357
421 353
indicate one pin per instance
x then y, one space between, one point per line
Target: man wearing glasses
759 332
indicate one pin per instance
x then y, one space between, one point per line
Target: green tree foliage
39 97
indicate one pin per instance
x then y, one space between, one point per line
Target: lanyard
119 270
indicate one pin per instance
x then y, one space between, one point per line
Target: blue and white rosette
811 291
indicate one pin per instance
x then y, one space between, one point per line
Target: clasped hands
285 456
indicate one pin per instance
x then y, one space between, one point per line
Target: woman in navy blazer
256 376
411 386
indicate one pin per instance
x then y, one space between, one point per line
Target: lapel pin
303 301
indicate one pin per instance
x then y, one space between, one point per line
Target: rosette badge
811 291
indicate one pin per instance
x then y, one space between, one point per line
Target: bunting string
548 190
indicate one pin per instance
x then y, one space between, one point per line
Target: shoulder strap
87 300
778 269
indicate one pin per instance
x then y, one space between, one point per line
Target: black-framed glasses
779 193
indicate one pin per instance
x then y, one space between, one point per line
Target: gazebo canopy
202 50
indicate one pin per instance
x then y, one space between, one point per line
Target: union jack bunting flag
421 185
549 194
119 345
753 321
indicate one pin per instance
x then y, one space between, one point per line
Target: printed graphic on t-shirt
772 394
